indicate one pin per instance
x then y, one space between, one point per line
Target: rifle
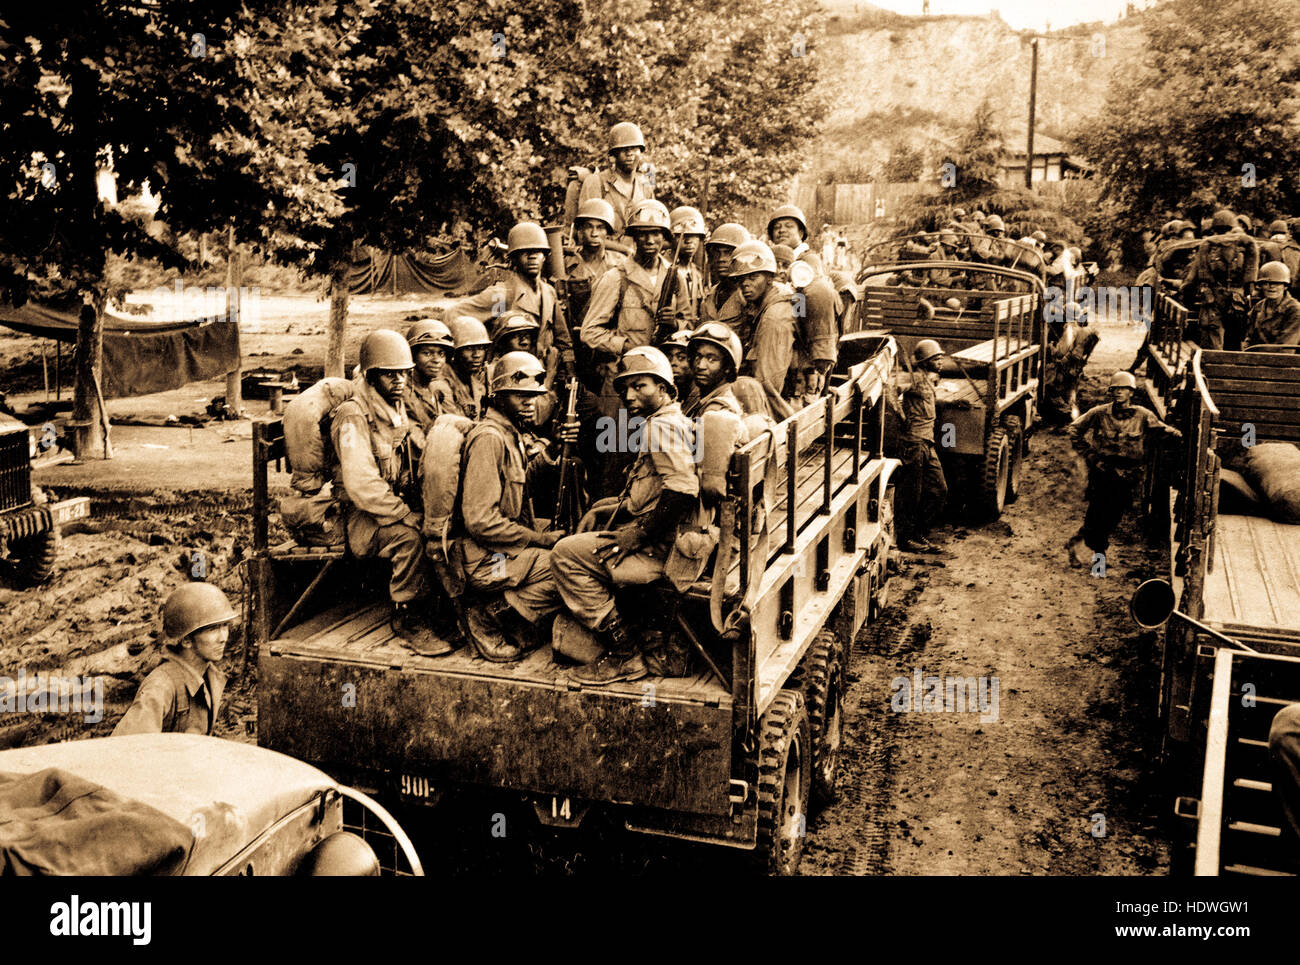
668 291
569 498
560 279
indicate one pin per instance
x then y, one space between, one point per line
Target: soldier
369 433
623 186
688 224
515 332
766 324
787 226
524 290
662 493
1275 319
182 695
585 266
817 324
715 359
675 351
1111 438
426 394
503 550
717 252
1288 251
464 376
922 489
994 227
1217 281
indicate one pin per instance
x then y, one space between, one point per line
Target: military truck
733 755
993 336
30 525
1231 648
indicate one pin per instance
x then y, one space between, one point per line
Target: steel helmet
948 238
429 331
514 321
517 372
1279 228
783 254
1274 271
729 235
649 214
959 212
687 221
1040 237
994 223
925 350
980 216
625 134
645 360
751 257
721 335
1223 218
385 349
789 211
596 209
467 332
342 854
526 236
195 606
678 339
1170 228
1122 380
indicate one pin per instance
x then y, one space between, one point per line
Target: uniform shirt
367 434
1099 431
622 195
493 500
635 322
425 403
918 408
464 398
766 330
1274 324
174 699
817 321
720 307
583 273
690 295
665 460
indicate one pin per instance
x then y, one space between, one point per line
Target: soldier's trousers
587 585
1220 326
401 544
522 575
1109 495
921 491
1284 755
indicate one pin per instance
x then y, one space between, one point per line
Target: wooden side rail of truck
731 755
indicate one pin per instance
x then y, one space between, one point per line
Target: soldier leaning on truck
1111 438
921 486
663 492
182 695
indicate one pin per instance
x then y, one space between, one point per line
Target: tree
1210 118
155 96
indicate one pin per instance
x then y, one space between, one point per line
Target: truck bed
1255 580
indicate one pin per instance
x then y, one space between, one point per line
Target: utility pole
1033 96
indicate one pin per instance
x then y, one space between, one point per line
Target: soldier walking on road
921 488
1111 438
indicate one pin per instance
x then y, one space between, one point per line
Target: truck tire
31 559
823 692
784 775
994 472
1017 435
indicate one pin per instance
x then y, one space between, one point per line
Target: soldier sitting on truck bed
426 394
502 549
662 493
464 376
1111 438
1275 319
369 433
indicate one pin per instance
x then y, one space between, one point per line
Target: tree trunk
339 295
88 414
234 306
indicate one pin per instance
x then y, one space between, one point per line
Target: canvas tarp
141 357
378 272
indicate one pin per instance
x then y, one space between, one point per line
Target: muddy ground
922 793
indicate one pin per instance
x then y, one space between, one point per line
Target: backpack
1225 262
306 432
440 472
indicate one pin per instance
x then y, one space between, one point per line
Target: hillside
898 81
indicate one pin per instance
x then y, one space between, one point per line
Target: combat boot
413 630
621 662
483 627
667 656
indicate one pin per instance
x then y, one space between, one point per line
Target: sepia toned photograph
594 440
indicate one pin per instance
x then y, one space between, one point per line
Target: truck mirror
1152 603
